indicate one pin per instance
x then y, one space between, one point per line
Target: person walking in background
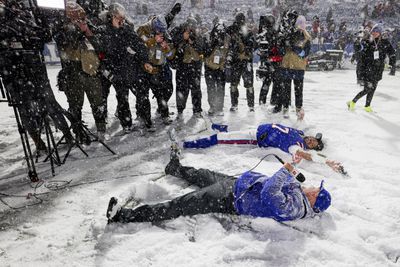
372 63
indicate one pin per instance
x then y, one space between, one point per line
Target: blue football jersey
279 136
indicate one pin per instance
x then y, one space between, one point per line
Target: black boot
111 213
173 167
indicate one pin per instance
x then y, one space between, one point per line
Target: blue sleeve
219 127
272 194
202 142
274 185
295 130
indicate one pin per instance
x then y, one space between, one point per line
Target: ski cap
377 28
323 199
159 24
74 11
301 22
320 146
116 9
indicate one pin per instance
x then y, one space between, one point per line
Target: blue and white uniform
279 197
279 136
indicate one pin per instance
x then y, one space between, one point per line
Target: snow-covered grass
362 227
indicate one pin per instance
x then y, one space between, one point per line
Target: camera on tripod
23 73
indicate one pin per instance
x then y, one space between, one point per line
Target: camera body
21 62
266 43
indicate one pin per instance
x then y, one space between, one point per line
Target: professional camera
25 85
267 42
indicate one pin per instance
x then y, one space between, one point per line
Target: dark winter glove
176 9
392 70
62 80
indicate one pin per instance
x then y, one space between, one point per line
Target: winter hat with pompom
74 11
301 22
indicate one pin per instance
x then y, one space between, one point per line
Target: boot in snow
351 105
112 209
300 114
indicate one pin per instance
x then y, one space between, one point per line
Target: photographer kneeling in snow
279 197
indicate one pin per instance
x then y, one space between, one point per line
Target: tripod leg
40 132
28 154
23 135
67 154
81 149
107 147
54 146
88 132
69 151
50 152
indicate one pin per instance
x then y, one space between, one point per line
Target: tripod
80 127
32 174
52 151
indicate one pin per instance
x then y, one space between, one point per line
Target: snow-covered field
362 227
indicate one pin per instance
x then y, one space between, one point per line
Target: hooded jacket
125 53
279 197
297 48
371 68
242 43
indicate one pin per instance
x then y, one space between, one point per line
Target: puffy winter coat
186 53
297 50
279 136
242 44
77 51
216 50
157 55
279 197
371 68
125 52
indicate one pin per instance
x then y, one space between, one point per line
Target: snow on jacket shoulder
279 197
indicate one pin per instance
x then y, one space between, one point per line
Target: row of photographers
98 51
141 61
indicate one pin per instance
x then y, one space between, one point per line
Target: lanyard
376 44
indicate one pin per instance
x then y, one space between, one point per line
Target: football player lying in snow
287 139
279 197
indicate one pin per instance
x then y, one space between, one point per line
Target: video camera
52 12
